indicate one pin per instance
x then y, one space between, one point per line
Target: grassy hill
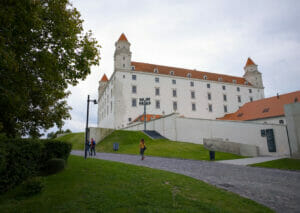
76 139
93 185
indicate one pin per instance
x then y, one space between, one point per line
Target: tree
43 49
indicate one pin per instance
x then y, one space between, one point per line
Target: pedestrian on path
142 148
93 146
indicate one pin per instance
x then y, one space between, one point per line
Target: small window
155 70
251 99
133 102
225 108
123 65
208 86
220 79
240 114
123 76
132 67
174 105
296 100
193 107
208 96
133 77
189 75
224 87
224 97
157 104
174 93
133 89
239 99
234 81
205 77
192 83
173 81
265 110
250 90
246 82
129 119
156 91
210 109
193 94
157 79
238 89
171 72
281 122
123 57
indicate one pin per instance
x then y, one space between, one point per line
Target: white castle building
191 93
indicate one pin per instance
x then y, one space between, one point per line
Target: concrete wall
292 114
194 130
99 133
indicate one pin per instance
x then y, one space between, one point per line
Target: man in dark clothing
93 146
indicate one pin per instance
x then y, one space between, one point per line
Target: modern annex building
190 93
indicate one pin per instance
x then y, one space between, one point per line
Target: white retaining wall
194 130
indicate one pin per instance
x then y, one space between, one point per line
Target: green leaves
42 49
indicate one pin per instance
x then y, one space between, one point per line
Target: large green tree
43 49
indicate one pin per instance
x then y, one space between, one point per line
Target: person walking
93 146
142 148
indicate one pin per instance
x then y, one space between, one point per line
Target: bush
56 149
32 186
53 166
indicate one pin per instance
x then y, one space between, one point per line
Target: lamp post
87 125
145 102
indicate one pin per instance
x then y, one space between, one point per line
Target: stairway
153 134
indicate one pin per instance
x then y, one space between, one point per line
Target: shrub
32 186
56 149
53 166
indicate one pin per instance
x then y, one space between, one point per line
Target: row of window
156 79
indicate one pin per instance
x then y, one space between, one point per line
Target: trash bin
116 146
211 155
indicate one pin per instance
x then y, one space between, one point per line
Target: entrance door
271 140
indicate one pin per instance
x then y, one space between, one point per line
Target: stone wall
99 133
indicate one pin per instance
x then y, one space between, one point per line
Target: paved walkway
277 189
249 161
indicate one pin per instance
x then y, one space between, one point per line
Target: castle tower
252 74
102 85
122 56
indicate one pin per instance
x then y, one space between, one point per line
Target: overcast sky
214 36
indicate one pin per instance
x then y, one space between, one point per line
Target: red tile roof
122 37
264 108
144 67
148 117
249 62
104 78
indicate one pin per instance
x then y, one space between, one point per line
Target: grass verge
285 163
102 186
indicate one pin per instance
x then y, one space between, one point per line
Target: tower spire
249 62
123 37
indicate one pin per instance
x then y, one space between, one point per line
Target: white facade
273 120
119 97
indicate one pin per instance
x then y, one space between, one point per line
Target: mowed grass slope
76 139
102 186
129 144
285 163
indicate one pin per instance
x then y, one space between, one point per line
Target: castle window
123 65
209 96
296 100
157 91
224 97
133 77
238 89
193 107
208 86
171 72
210 108
250 90
251 99
219 79
239 99
155 70
246 82
157 79
281 122
123 57
189 75
123 76
133 102
193 94
129 119
157 104
173 81
225 108
234 81
174 93
174 105
192 83
266 110
133 89
224 87
205 77
240 114
132 67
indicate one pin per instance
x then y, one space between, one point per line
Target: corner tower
252 74
122 56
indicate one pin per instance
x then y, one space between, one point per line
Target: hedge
21 159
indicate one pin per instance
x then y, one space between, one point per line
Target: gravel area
277 189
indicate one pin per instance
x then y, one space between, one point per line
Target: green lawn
285 163
77 140
129 144
102 186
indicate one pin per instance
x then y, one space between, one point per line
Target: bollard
211 155
116 147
